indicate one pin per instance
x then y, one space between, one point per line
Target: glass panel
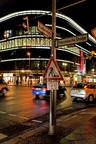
4 45
20 32
16 42
24 41
12 43
7 44
19 42
33 30
33 42
28 42
0 45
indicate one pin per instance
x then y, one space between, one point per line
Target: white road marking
19 116
14 115
2 112
23 117
37 121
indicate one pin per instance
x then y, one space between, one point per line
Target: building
25 51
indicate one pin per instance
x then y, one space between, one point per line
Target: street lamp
64 65
28 53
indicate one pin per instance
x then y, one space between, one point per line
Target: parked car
41 90
3 87
85 91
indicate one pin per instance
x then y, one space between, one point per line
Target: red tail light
44 89
33 88
86 86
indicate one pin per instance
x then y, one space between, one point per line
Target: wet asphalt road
19 110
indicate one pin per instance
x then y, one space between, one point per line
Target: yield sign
52 71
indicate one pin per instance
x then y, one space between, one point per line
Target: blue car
41 90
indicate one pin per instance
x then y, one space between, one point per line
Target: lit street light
28 53
64 65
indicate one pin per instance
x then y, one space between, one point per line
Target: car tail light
44 89
33 88
85 86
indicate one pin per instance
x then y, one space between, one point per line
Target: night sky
81 12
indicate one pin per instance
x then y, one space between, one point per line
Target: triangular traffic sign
93 31
52 71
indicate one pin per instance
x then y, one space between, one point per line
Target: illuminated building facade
25 51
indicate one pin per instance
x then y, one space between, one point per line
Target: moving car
85 91
3 87
41 90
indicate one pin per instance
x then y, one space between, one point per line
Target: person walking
17 82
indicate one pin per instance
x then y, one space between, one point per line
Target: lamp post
64 65
28 53
53 98
29 59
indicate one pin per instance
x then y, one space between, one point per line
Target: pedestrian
17 81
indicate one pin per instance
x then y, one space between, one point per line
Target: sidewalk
75 128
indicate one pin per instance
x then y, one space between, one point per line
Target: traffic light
93 53
25 25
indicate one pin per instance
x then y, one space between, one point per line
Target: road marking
37 121
12 115
23 117
2 112
19 116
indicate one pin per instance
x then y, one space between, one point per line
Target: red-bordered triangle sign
52 71
93 31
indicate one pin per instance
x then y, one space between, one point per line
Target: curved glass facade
15 45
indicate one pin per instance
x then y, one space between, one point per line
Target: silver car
85 91
3 87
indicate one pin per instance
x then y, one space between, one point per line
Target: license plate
37 92
77 90
38 88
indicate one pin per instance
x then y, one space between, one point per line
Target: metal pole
29 58
29 61
53 49
53 98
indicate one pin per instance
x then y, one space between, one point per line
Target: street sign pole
53 93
